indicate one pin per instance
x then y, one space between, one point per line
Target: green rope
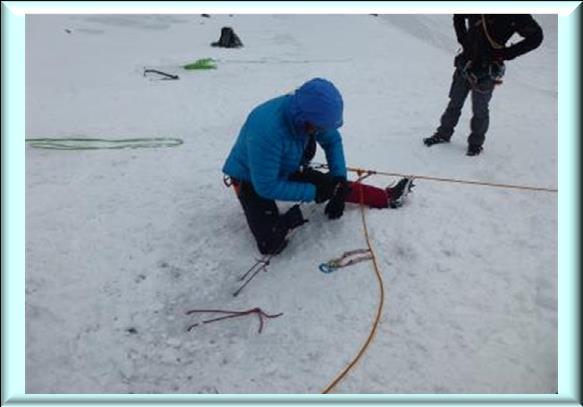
101 144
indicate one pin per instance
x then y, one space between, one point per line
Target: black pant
263 217
481 95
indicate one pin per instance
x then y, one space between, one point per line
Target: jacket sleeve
532 34
461 30
265 157
331 142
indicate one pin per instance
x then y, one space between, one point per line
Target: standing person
480 66
270 161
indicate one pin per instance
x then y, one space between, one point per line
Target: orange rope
345 371
453 180
378 315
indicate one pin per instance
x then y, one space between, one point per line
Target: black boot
272 248
474 149
399 192
435 139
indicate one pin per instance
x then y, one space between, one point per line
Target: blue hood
317 102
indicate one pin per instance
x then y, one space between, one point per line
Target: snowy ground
120 243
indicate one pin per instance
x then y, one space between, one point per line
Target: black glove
498 55
294 218
324 190
335 208
461 61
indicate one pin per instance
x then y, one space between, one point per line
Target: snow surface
121 243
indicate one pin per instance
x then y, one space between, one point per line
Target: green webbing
204 63
101 144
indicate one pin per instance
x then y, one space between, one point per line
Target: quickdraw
347 259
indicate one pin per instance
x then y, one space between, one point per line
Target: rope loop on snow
101 144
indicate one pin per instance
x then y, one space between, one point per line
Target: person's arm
331 142
461 30
532 34
265 157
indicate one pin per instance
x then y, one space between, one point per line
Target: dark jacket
478 48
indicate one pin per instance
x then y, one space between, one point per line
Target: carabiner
326 268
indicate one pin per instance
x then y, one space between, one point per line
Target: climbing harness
452 180
347 259
101 144
494 71
231 314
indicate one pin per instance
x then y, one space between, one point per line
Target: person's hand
465 45
324 190
293 218
335 208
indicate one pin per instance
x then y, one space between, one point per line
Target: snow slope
120 243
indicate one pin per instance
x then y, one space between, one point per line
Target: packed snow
121 243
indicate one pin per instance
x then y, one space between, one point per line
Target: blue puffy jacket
271 144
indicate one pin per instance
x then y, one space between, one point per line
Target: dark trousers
268 225
481 95
263 217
